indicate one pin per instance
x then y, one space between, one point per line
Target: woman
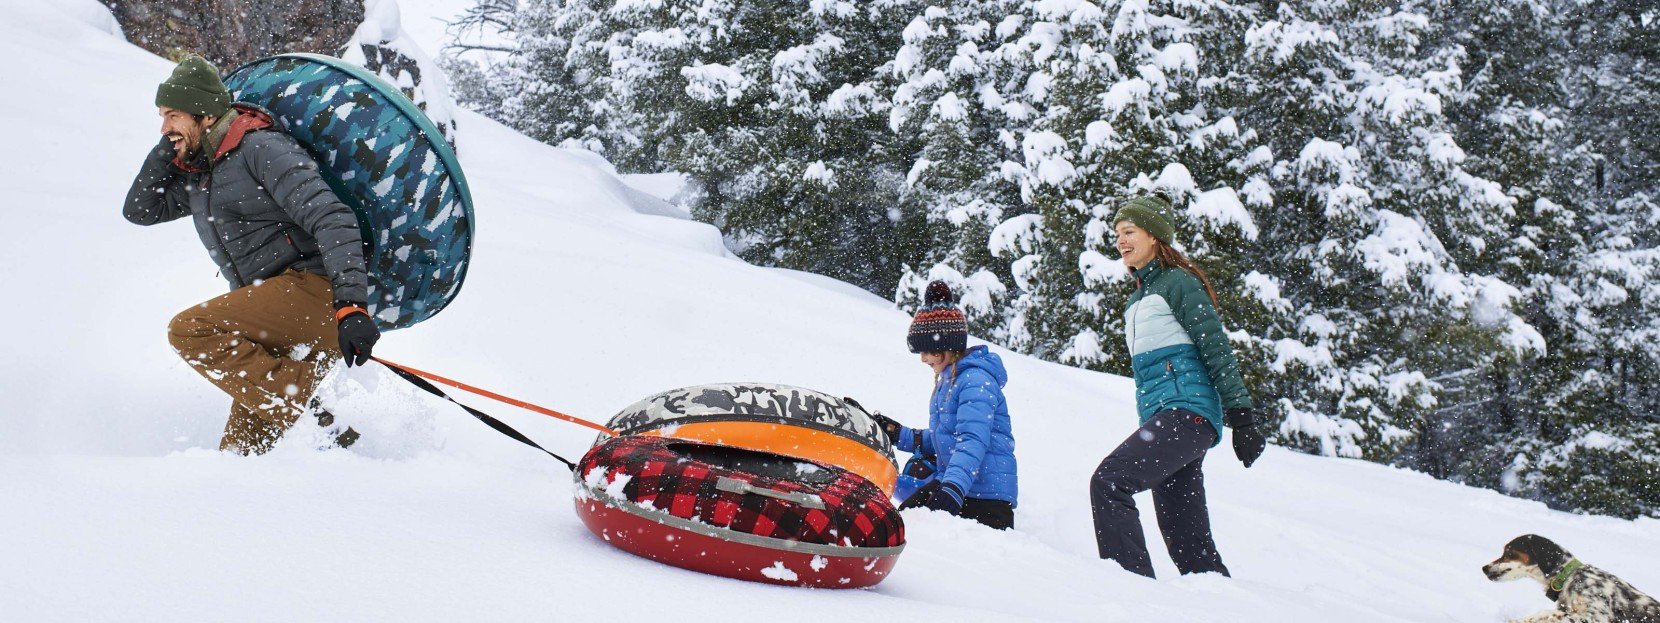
968 432
1187 384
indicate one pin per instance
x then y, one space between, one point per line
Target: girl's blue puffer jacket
968 430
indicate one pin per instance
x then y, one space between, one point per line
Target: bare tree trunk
232 32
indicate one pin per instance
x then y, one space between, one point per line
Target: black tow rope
498 425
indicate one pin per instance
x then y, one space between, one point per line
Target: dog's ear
1540 551
1516 551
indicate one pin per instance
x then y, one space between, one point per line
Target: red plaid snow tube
738 513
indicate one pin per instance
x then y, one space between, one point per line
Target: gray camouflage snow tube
768 417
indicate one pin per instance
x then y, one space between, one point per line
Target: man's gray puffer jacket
259 204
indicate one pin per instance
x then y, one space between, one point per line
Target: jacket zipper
218 236
1135 313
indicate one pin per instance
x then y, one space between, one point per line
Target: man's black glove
158 164
947 498
163 152
1248 442
358 333
889 426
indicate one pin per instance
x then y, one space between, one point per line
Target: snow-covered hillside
584 298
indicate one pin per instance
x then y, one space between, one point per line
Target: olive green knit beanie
195 88
1152 213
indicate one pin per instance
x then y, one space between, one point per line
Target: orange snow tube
765 417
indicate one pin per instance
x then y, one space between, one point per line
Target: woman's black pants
1164 455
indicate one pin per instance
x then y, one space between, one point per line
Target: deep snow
583 296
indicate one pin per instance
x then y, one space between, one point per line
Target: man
290 250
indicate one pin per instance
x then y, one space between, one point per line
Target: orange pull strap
498 397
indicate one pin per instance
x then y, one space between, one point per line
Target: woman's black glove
358 333
1248 442
947 498
889 426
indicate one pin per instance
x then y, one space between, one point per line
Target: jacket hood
983 359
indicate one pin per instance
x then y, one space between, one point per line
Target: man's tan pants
267 345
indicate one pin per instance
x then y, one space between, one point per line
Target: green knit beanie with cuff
1151 213
195 88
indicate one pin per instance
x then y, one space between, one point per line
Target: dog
1583 594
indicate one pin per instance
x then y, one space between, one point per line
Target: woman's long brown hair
1169 256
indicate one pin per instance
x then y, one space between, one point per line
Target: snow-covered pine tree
960 106
521 63
1374 212
1505 115
1573 424
1604 451
808 179
771 109
1124 97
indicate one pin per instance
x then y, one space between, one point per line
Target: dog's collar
1560 580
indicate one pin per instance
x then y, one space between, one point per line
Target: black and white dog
1583 594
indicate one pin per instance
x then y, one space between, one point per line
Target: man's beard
192 144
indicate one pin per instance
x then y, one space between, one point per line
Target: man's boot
344 438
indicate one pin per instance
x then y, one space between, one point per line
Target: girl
1187 383
968 432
